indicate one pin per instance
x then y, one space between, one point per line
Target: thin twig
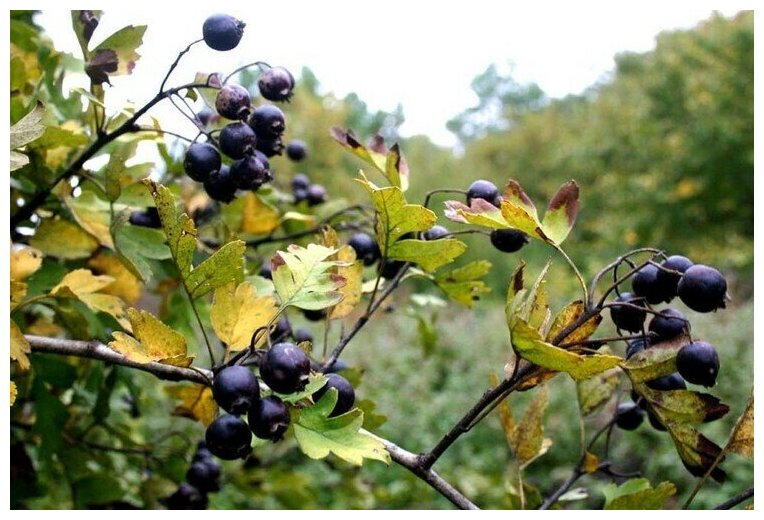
177 60
732 502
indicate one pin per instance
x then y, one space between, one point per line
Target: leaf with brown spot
505 415
377 159
116 55
529 431
396 168
698 453
683 406
561 213
566 317
352 271
196 402
480 213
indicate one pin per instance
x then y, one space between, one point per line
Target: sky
420 54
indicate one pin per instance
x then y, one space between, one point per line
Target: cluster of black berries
285 369
305 190
202 477
505 240
699 287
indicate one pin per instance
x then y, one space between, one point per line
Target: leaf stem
575 270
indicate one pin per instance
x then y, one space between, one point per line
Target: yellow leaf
153 341
196 402
258 217
18 291
85 286
14 392
63 239
741 440
529 432
44 327
126 285
352 271
237 312
24 262
591 462
19 347
94 215
505 416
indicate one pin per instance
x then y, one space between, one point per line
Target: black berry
666 383
269 419
482 189
266 271
186 497
276 84
270 146
345 394
301 335
228 438
235 389
316 195
204 475
630 317
702 288
645 284
282 329
146 218
222 32
314 315
365 247
435 233
629 416
233 102
237 140
296 150
220 186
300 182
285 368
391 268
251 172
655 422
668 324
698 363
201 160
268 122
670 273
508 240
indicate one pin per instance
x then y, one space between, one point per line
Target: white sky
421 54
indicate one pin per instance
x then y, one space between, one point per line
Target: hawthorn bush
196 268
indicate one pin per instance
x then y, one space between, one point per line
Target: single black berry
251 172
391 268
508 240
276 84
698 363
220 186
229 438
285 368
670 273
206 116
435 233
314 315
345 394
668 324
201 160
300 335
628 312
365 247
300 182
296 150
268 122
666 383
269 419
644 283
237 140
233 102
222 32
186 497
316 195
482 189
146 218
204 475
636 346
702 288
629 416
235 389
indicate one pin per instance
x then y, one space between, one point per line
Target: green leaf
654 362
302 277
96 489
316 381
94 215
480 213
396 168
597 390
637 494
225 265
318 435
561 213
63 239
178 227
428 254
136 244
116 55
530 346
464 284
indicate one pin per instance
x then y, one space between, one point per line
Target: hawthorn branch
736 500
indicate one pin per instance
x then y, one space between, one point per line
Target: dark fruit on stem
201 160
237 140
204 475
629 416
435 233
228 438
391 268
235 389
655 422
233 102
270 146
269 419
668 324
300 182
666 383
268 122
316 195
186 497
628 317
345 394
366 248
668 280
698 363
644 283
222 32
251 172
285 368
702 288
482 189
296 150
266 271
508 240
276 84
220 186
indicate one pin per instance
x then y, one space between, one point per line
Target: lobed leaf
83 285
237 312
116 55
126 285
302 277
638 494
225 265
152 340
178 227
464 284
19 347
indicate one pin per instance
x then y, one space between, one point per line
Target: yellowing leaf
637 494
126 285
302 277
683 406
597 390
237 312
94 215
83 285
591 463
18 291
529 432
196 402
225 265
25 261
654 362
505 416
318 435
480 213
178 227
257 216
698 453
388 162
352 272
63 239
153 341
464 284
741 440
19 347
14 392
561 213
116 55
428 254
